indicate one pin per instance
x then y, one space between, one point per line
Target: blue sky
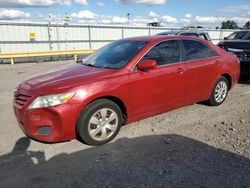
208 13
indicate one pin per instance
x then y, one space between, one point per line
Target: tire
219 92
99 122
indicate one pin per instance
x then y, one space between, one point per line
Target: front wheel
99 122
219 92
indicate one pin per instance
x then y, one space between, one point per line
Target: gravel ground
195 146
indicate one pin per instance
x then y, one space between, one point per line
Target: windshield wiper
90 65
107 67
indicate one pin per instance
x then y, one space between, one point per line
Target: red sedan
125 81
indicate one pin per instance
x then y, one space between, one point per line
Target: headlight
51 100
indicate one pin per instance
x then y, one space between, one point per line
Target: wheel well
120 103
229 79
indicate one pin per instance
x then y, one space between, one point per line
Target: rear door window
196 50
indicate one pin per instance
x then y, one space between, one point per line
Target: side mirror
79 60
225 38
147 64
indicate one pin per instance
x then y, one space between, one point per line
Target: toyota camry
125 81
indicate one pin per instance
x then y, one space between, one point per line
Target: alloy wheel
221 90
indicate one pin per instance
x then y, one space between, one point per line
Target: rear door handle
180 71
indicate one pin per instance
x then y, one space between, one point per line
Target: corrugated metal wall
16 37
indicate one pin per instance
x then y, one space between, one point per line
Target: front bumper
50 124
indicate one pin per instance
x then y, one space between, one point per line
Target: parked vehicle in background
239 43
169 33
199 34
125 81
239 35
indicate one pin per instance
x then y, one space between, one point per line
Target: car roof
197 32
148 38
180 32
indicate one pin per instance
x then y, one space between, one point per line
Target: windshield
115 55
237 35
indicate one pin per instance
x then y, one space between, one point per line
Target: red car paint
143 94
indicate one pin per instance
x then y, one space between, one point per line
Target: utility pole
49 32
128 15
66 24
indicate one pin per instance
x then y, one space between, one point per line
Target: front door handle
217 62
180 71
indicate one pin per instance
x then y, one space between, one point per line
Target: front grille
21 99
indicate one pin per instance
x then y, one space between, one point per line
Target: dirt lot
195 146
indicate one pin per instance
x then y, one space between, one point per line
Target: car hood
62 78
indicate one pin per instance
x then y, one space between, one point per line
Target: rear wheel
219 92
99 122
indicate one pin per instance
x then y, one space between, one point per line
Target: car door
162 88
201 64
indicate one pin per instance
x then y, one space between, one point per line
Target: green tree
247 25
229 24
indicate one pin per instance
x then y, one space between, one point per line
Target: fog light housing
44 131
